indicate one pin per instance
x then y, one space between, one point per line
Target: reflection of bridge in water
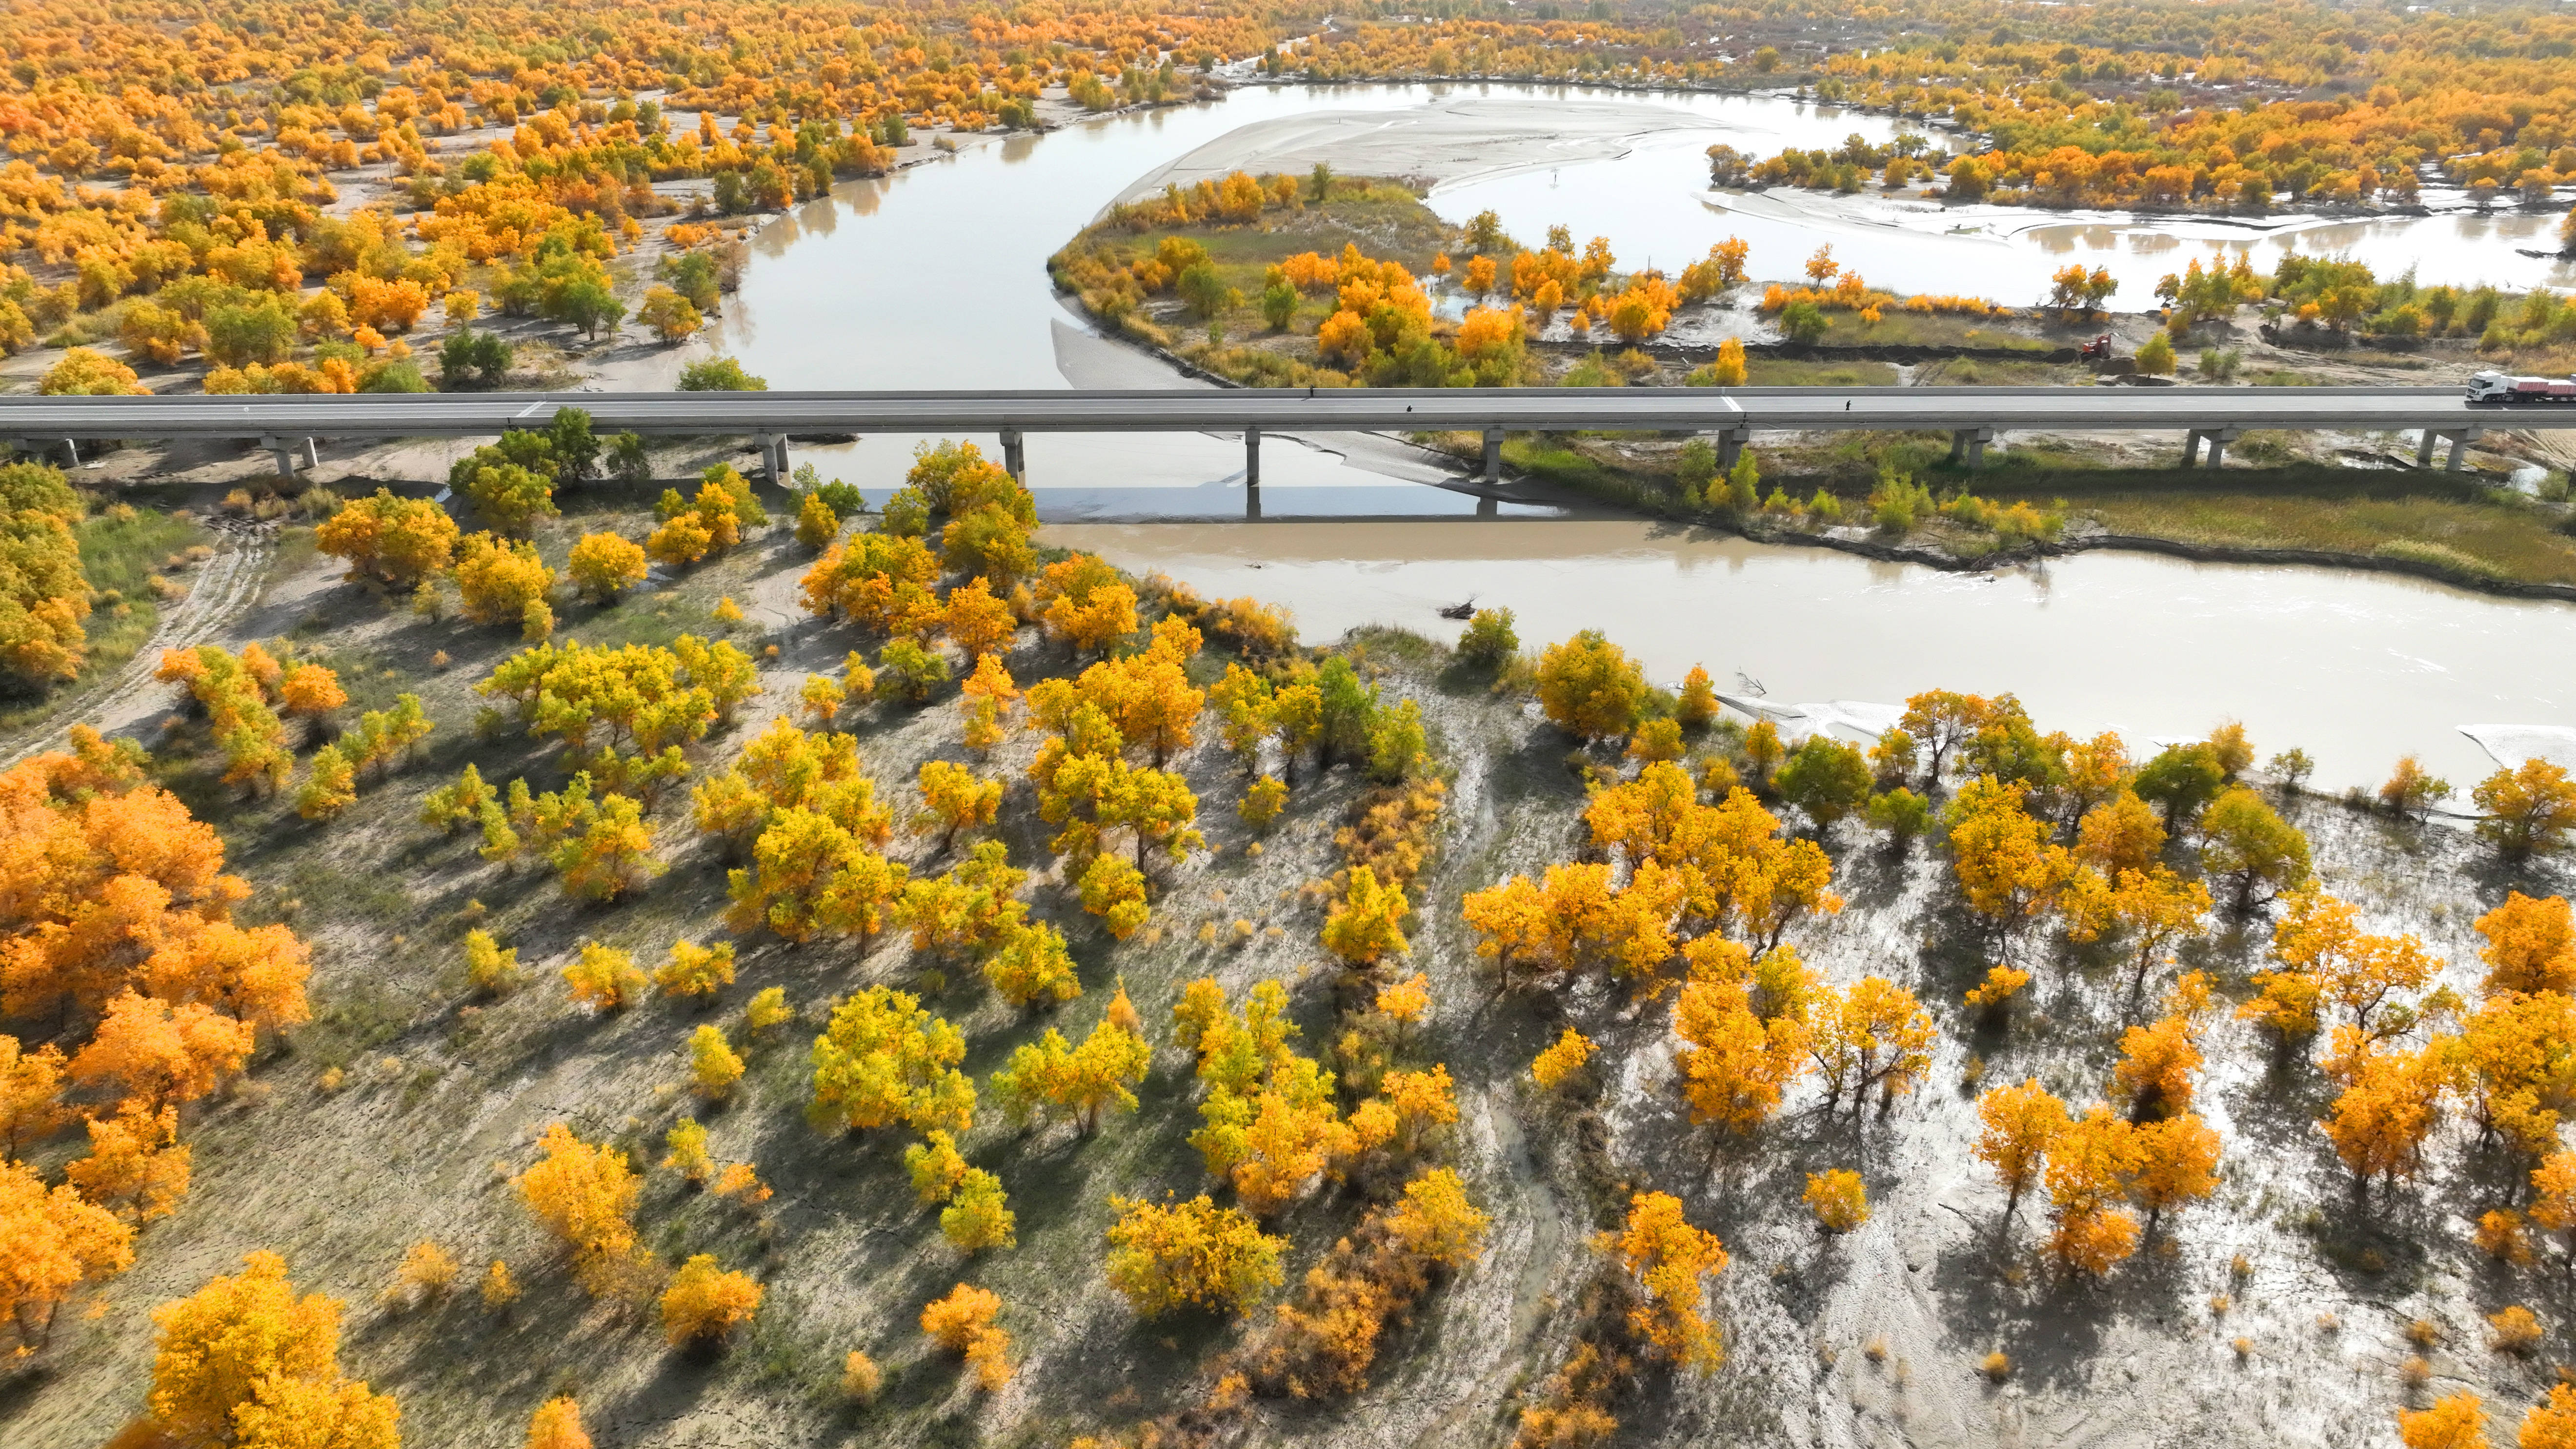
288 425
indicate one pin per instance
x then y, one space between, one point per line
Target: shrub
1162 1257
714 1067
1838 1200
962 1323
2513 1330
471 359
426 1269
603 565
719 374
1489 639
860 1378
604 977
704 1303
1590 687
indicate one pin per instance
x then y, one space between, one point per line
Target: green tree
574 446
1803 322
1396 743
1694 470
695 277
472 359
510 496
1744 485
719 374
628 460
2181 780
1279 304
1825 778
2246 843
1201 287
587 304
262 331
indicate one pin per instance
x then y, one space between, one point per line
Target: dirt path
225 588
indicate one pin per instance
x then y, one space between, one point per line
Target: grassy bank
2431 519
1383 219
2453 525
122 550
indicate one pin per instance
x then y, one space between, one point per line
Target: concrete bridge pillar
2424 448
1968 446
1730 446
1493 455
2218 439
2458 447
284 450
773 457
1015 456
1251 457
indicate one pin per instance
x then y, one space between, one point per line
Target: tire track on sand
225 588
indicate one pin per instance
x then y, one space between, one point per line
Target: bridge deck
1234 409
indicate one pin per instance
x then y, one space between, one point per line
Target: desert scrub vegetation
2461 528
1151 977
1056 817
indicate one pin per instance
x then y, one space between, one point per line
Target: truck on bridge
2495 387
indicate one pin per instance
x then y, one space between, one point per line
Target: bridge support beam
1494 456
284 450
773 457
1015 456
1251 457
1968 446
2217 438
2459 454
1730 446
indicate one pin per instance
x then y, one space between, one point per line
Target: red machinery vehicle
2097 350
2495 387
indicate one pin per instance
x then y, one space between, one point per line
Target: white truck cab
2496 387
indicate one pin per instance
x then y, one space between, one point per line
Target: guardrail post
1493 455
1251 457
2219 438
1015 458
2460 448
1730 446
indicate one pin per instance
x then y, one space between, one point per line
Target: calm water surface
2356 669
936 278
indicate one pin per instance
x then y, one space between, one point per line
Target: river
935 278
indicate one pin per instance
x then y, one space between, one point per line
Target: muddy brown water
2356 669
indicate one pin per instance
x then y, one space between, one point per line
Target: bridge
287 424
